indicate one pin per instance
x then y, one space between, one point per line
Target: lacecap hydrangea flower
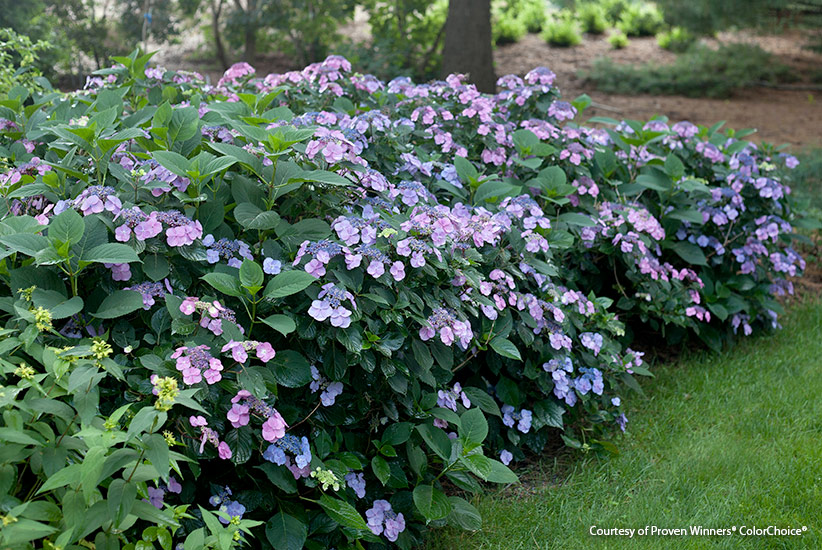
383 520
522 418
330 390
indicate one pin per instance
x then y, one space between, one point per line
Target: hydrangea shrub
319 310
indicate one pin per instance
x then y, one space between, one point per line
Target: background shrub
618 40
676 39
592 18
405 39
508 25
562 30
701 71
19 62
640 19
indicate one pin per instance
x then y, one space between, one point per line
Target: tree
248 15
468 42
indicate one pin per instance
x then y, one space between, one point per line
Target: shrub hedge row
317 309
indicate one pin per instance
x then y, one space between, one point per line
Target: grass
806 179
719 440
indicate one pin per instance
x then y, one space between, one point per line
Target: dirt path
780 116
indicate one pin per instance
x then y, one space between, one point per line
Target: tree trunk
468 42
216 9
251 31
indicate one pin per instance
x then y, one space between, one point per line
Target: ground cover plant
701 71
741 470
317 309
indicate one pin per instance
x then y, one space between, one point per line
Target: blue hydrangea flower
299 448
234 509
522 418
272 266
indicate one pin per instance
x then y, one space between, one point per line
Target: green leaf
157 453
322 176
288 283
13 435
156 267
482 400
500 473
27 243
184 125
175 162
217 165
251 276
281 323
397 433
110 253
550 413
464 515
688 215
691 253
120 499
381 469
674 167
90 471
58 304
343 513
551 179
312 229
225 283
574 218
474 427
291 369
431 502
279 476
524 140
23 531
494 190
505 348
65 476
252 217
119 303
436 439
244 157
465 170
478 464
66 227
286 532
656 180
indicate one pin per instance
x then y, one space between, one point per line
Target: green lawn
719 441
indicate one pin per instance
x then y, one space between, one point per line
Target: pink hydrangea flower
274 427
224 450
238 415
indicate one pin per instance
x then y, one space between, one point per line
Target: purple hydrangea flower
592 341
356 480
155 497
382 519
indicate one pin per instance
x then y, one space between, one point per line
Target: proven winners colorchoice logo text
697 531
